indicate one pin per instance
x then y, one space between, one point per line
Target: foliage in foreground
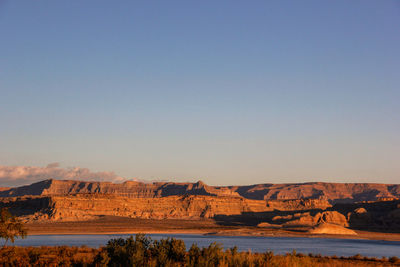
142 251
10 227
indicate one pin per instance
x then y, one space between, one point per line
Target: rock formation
188 207
332 192
332 229
307 219
267 205
88 206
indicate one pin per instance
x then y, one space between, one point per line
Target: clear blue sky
230 92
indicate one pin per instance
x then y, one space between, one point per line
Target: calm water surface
279 245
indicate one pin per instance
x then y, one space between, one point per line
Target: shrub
10 227
213 253
167 251
356 257
194 255
101 259
394 259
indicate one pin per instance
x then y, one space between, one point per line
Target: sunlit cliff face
22 175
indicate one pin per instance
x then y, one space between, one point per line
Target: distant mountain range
333 192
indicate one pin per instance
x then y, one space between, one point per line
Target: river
279 245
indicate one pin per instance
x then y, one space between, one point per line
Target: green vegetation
143 251
10 227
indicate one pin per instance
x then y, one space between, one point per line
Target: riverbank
121 225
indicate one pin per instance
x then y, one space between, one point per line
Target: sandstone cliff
88 206
333 192
266 205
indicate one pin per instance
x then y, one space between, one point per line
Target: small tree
10 227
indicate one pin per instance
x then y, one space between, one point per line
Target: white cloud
22 175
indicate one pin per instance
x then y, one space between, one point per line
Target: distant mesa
332 192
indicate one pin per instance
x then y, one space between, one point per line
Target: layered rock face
298 204
186 207
89 206
268 205
307 219
333 192
130 189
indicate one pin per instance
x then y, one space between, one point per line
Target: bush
356 257
168 251
194 255
10 227
213 254
394 259
101 259
129 252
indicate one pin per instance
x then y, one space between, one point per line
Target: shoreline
330 236
124 226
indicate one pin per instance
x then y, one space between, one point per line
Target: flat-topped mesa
332 192
66 187
35 189
198 188
131 189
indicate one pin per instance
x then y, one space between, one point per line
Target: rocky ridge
332 192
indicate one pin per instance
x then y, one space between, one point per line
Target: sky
227 92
